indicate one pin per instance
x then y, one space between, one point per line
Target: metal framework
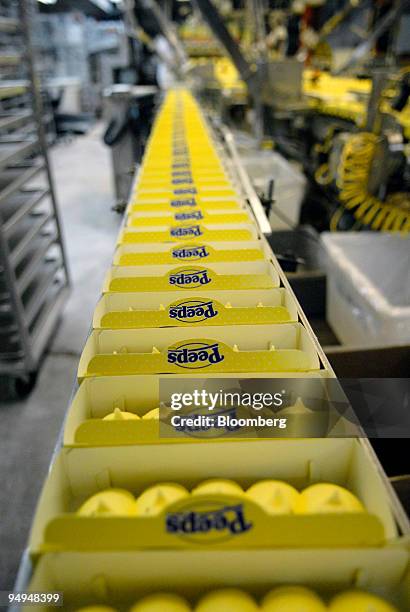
34 278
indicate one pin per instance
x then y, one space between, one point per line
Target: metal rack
34 278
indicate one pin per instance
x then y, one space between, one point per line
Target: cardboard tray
79 473
120 579
189 277
169 309
200 252
286 347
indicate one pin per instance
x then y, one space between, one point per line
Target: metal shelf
23 239
33 273
35 259
12 179
13 152
36 293
10 121
10 89
18 206
7 24
10 59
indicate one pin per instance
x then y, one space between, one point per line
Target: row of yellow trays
195 296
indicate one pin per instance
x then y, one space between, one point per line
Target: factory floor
29 428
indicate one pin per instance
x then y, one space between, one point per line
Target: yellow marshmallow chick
292 599
158 413
96 609
359 601
219 487
120 415
161 602
154 499
274 496
327 498
226 600
152 414
111 502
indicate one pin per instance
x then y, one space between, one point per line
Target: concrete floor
29 429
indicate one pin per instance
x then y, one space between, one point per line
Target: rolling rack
34 278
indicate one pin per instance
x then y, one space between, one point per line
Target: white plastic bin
368 287
289 188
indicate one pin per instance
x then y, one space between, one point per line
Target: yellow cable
323 175
352 181
334 221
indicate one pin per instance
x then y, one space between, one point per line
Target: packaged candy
293 599
158 497
161 602
325 498
111 502
218 486
120 415
227 600
274 496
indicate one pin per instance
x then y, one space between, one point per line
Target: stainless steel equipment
126 132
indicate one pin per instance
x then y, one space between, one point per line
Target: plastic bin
290 184
368 288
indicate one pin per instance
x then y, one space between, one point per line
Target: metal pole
374 116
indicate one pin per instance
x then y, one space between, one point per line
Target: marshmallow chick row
274 496
122 415
282 599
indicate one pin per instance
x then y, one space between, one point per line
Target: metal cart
34 278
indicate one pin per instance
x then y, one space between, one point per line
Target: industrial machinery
350 131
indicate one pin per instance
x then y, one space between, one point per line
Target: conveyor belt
166 311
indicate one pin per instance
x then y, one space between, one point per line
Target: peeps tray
182 173
185 203
169 309
177 178
186 232
222 190
188 277
120 579
117 411
226 520
199 252
164 220
263 348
